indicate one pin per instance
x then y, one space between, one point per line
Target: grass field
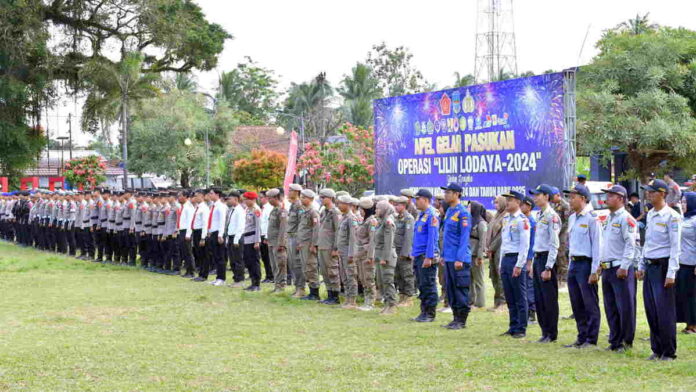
70 325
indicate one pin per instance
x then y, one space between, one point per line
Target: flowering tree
84 171
263 169
346 165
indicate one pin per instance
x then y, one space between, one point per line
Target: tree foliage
638 96
314 104
263 169
250 89
395 71
160 130
358 90
345 165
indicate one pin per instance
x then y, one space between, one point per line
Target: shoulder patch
526 224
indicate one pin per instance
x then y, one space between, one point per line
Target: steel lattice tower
496 53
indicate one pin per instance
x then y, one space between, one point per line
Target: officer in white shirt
235 230
216 235
199 226
617 254
659 268
583 273
184 220
266 209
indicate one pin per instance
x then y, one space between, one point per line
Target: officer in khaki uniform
562 208
403 242
345 243
294 260
328 252
307 239
409 194
277 237
385 255
365 251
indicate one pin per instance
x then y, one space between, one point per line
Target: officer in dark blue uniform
515 250
425 236
456 255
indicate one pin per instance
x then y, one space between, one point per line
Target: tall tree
168 136
119 86
251 89
314 103
395 71
463 81
358 90
638 96
638 25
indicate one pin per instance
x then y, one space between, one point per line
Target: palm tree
114 87
638 25
358 90
185 82
463 81
313 101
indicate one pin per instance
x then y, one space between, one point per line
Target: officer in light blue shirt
456 255
514 248
426 231
686 276
617 253
546 243
659 267
583 272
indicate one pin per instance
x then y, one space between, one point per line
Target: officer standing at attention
514 248
307 238
345 242
583 273
294 260
326 244
403 243
618 275
425 238
546 243
385 255
277 237
456 255
659 267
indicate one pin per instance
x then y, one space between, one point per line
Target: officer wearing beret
425 237
583 272
545 278
658 268
514 249
619 238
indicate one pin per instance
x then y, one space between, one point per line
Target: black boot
332 299
312 296
428 315
421 316
459 319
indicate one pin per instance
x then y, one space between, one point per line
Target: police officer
364 256
326 245
583 272
294 260
345 243
546 243
456 255
403 243
277 237
562 208
618 276
515 241
307 238
410 205
425 250
658 268
216 235
251 241
385 255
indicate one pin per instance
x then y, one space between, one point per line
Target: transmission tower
496 54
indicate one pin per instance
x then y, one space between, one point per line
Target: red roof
247 138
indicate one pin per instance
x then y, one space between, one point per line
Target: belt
541 254
95 217
580 258
102 220
85 221
126 219
658 261
511 254
610 264
249 233
148 225
138 223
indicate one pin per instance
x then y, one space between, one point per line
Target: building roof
49 164
247 138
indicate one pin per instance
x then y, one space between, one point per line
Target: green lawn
69 325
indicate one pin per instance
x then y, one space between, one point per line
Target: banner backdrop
489 138
292 162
